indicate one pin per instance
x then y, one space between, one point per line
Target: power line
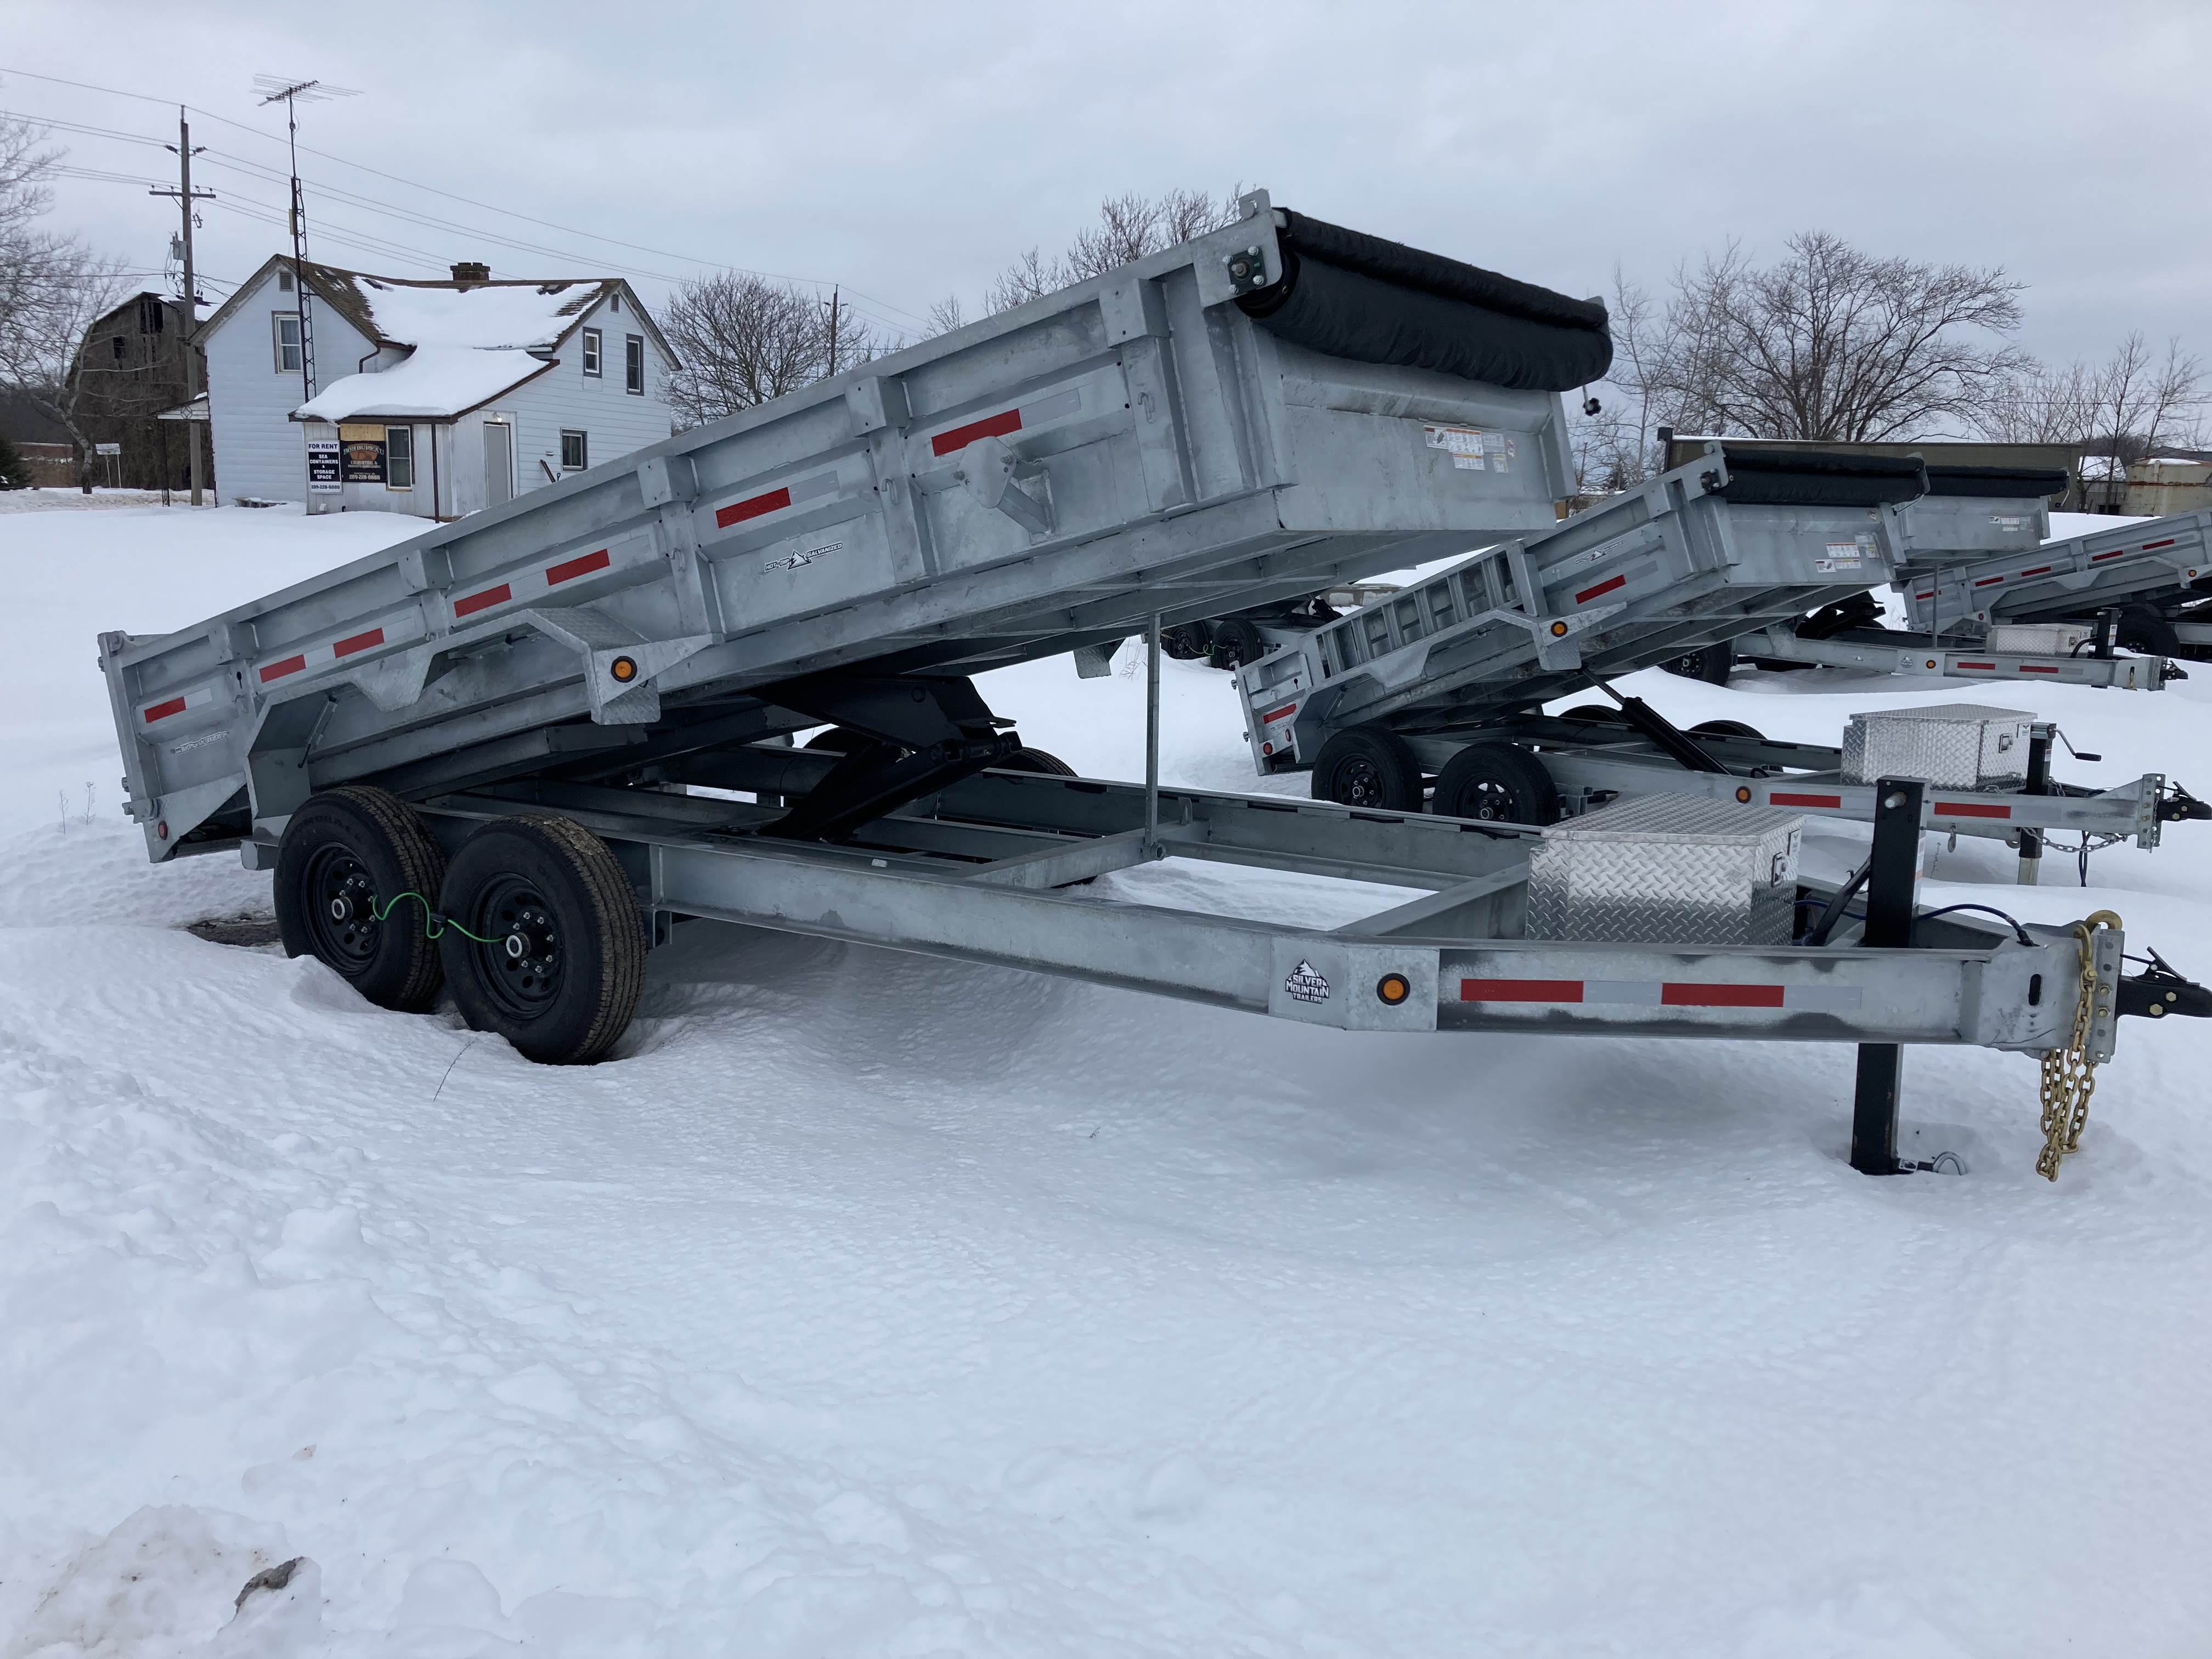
636 247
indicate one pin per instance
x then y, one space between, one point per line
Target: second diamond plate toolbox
1952 745
1667 869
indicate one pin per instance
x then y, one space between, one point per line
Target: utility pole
278 90
833 293
196 442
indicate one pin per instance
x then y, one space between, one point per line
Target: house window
634 364
284 282
592 352
118 343
614 303
575 452
288 341
399 458
150 314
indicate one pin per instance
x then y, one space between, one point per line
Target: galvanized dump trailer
2156 576
474 762
1444 680
1970 515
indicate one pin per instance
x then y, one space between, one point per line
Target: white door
499 463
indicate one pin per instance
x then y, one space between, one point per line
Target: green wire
433 923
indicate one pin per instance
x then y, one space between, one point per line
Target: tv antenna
283 90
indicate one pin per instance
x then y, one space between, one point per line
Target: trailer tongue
469 760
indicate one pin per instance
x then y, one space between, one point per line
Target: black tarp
2012 482
1820 477
1375 301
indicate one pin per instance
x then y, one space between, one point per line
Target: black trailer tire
1710 664
1236 642
2142 629
1727 729
837 740
346 858
1495 783
1595 714
562 976
1369 766
1185 641
1042 763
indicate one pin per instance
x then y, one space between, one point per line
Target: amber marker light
1743 795
1394 988
1558 630
623 669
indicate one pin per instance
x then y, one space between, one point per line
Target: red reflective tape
2099 558
2036 668
1287 708
1720 996
2168 542
570 569
1989 581
276 670
737 511
161 711
1969 809
990 426
1780 798
358 642
1520 990
1606 586
484 601
1964 665
2039 570
1923 596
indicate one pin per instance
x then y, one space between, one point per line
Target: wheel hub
342 910
522 945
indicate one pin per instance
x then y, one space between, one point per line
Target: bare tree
745 339
2135 402
1129 227
1833 344
51 288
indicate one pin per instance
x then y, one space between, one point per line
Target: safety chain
2069 1076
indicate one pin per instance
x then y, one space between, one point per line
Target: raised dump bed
2155 575
1264 410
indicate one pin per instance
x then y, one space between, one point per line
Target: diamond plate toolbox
1952 745
1667 870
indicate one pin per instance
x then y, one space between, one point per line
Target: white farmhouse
430 397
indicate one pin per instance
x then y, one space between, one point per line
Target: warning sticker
1464 444
1305 985
2003 522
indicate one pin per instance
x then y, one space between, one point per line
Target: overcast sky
910 151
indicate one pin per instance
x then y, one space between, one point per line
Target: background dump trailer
470 760
2147 587
1445 680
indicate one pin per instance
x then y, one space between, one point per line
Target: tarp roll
1376 301
1997 481
1821 477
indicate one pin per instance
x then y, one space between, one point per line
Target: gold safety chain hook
2070 1075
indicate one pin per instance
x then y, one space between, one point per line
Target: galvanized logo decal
804 557
1305 985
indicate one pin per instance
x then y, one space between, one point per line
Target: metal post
1152 736
2038 783
1891 881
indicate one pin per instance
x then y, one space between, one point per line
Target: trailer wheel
1236 642
1495 783
2142 629
837 740
1595 714
1710 664
1369 766
565 960
1040 762
346 857
1727 729
1185 641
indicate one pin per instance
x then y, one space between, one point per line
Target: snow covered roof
436 383
495 315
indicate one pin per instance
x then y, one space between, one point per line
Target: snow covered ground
870 1305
